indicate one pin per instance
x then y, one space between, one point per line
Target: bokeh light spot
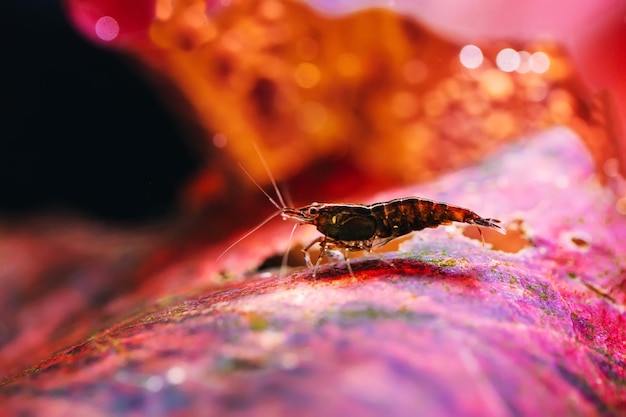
163 9
508 60
539 62
307 75
176 375
194 17
471 56
560 106
497 85
220 140
107 28
536 91
524 64
154 383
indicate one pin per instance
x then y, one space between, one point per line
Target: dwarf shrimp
347 227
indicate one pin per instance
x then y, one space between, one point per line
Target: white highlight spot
107 28
175 375
524 65
508 60
154 383
539 62
471 56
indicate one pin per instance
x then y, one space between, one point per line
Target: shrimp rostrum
358 227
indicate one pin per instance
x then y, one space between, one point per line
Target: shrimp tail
492 223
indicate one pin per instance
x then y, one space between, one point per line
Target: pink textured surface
452 328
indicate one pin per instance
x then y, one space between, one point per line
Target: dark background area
80 131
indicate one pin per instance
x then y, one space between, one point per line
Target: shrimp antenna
248 233
269 174
262 190
278 206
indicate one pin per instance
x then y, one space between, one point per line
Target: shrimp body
356 227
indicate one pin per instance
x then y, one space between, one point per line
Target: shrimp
347 227
359 227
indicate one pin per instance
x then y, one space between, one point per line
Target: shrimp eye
313 211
